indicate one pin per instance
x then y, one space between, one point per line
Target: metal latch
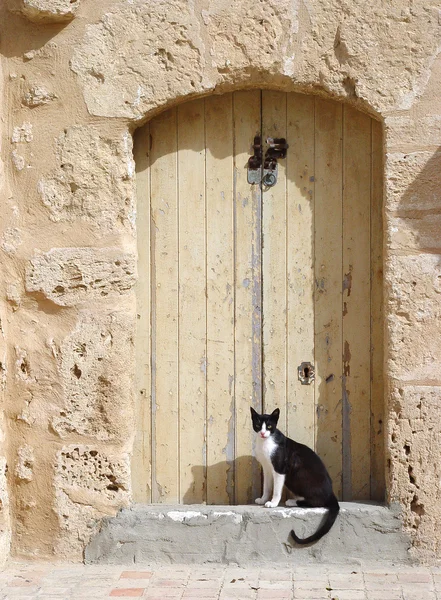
255 162
306 373
277 149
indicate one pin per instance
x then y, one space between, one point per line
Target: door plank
142 459
328 286
356 303
248 280
192 301
220 299
274 265
300 264
165 339
377 318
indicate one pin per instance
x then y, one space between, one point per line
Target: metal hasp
306 373
255 162
277 148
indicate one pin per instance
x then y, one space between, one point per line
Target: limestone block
69 276
25 463
414 447
95 366
162 58
48 11
414 316
406 131
171 50
413 181
90 483
94 180
415 231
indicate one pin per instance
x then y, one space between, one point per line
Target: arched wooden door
242 283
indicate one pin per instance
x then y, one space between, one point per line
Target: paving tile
136 575
127 593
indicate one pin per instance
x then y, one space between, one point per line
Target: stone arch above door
239 285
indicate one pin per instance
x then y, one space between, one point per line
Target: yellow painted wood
274 265
300 265
200 342
356 303
248 286
165 339
141 458
377 319
220 299
192 301
328 286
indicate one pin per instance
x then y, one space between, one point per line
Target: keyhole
306 372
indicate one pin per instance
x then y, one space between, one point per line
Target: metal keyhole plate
306 373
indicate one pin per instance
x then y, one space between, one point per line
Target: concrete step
248 535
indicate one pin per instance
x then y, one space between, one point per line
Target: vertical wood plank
141 459
192 309
377 318
220 299
165 338
356 303
248 279
300 264
274 265
328 286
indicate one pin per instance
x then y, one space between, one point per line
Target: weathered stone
413 133
37 95
166 52
90 483
96 378
414 317
94 181
22 133
48 11
18 160
416 230
25 463
414 181
69 276
415 444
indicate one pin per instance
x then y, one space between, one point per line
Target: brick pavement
218 582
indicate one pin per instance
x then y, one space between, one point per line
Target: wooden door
241 283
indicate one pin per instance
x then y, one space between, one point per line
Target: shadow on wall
20 36
209 482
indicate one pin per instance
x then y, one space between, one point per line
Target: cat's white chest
265 448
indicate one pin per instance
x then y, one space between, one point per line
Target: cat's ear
253 412
275 415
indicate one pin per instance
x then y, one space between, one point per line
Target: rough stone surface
95 368
94 179
25 462
414 449
246 535
69 276
37 95
89 484
47 11
414 317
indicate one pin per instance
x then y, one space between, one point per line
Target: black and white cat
296 466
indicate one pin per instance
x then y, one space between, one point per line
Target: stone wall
79 78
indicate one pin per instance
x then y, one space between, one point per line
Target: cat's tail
333 511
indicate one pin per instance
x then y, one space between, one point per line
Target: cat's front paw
260 500
271 504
